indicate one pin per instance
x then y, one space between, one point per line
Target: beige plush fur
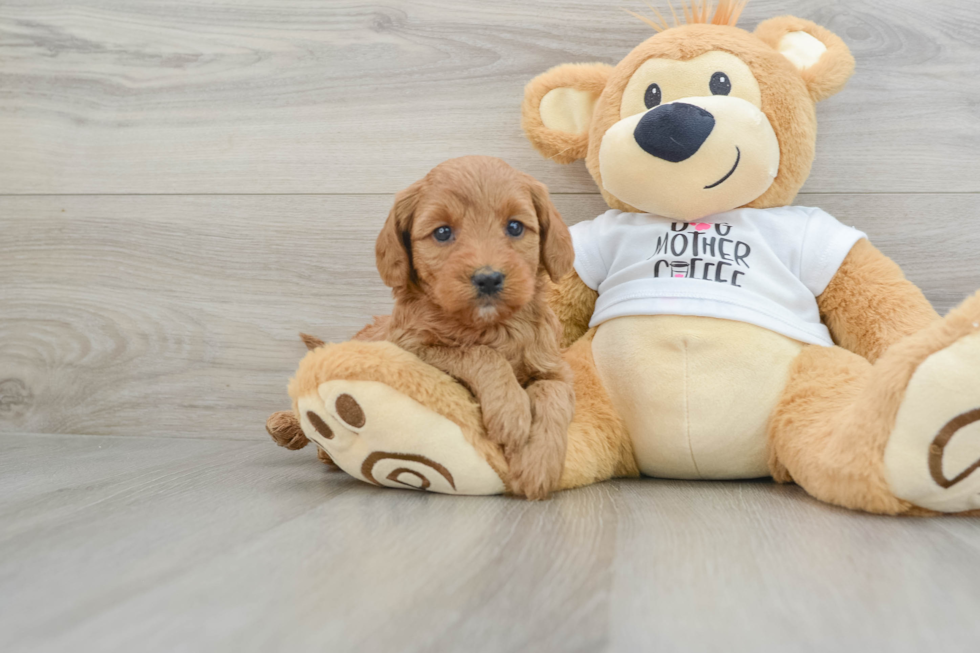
840 408
786 99
870 305
563 147
686 419
573 303
599 447
828 76
395 367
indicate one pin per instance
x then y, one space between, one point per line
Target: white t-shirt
761 266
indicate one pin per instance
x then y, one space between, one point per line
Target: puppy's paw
536 468
507 416
509 424
533 476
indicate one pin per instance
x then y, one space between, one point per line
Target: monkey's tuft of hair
311 342
699 12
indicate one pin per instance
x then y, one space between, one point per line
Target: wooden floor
155 544
184 187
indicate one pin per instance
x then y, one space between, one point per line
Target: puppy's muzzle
674 132
488 282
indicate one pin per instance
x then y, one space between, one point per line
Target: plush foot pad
380 436
932 459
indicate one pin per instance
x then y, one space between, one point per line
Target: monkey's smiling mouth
738 159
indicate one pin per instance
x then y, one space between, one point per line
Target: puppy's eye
653 96
443 233
515 228
720 84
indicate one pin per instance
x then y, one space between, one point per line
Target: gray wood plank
179 315
292 96
116 544
754 565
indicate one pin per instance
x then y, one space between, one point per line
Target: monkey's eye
720 84
443 233
653 96
515 228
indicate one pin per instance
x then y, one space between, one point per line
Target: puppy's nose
488 282
674 132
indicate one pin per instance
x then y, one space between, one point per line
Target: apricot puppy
467 251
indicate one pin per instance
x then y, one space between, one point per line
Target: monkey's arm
869 304
573 302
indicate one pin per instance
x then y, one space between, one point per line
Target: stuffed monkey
715 331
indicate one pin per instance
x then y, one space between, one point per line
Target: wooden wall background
184 186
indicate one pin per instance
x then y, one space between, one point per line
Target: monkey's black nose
488 282
674 132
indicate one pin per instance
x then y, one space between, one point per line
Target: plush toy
715 331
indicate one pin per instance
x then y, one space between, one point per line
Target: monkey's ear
557 253
557 109
820 56
393 250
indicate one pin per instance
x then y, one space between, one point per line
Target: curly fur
504 348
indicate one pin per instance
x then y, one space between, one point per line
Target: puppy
467 252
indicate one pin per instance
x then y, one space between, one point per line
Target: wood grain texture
360 96
178 316
186 186
123 544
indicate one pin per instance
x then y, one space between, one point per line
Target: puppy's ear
557 254
557 109
820 56
393 249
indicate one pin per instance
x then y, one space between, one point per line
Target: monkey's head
698 119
